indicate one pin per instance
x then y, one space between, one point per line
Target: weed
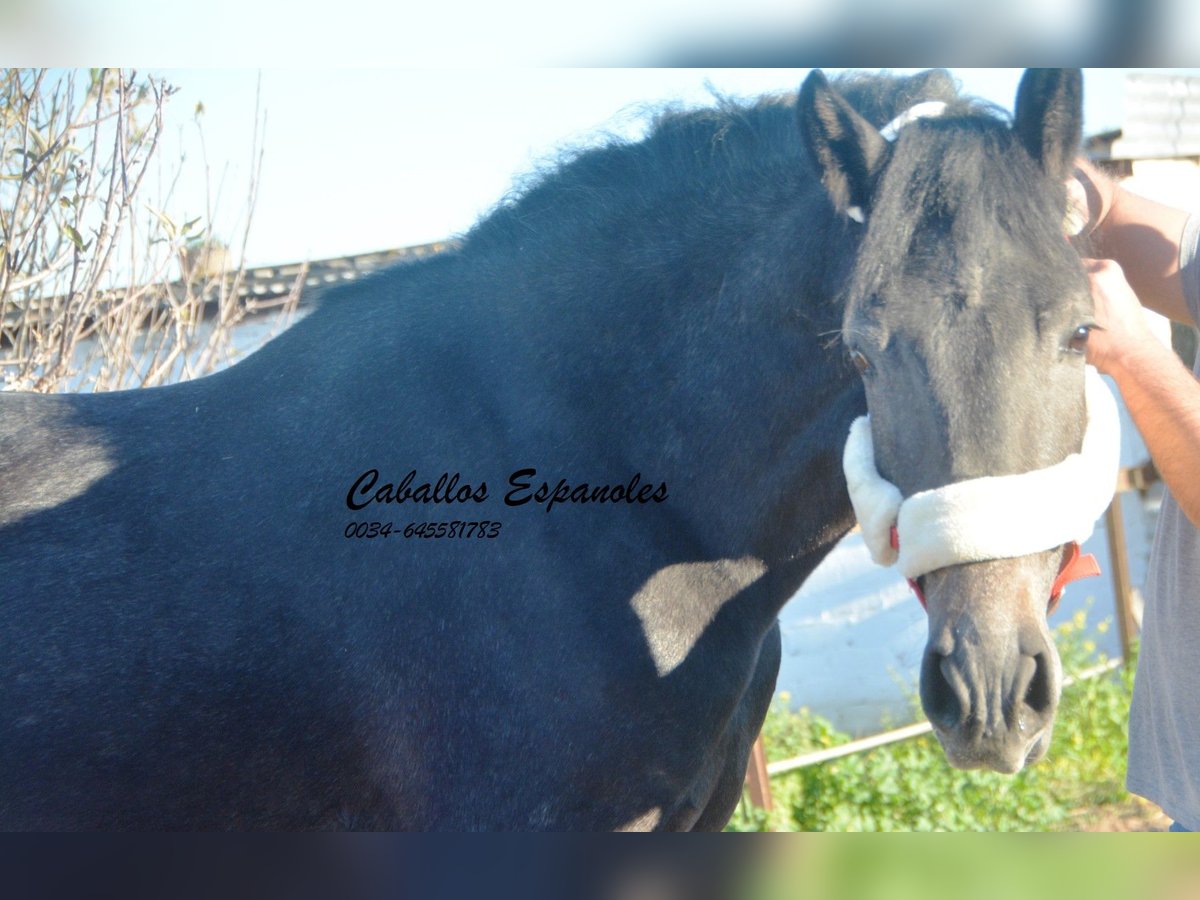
909 786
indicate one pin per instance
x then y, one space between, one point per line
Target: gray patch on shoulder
672 628
45 462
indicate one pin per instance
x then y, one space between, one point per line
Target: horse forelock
956 189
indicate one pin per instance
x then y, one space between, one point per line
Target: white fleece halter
994 517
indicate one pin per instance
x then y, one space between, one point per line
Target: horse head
967 313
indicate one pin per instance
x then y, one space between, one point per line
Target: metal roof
1162 117
257 289
265 283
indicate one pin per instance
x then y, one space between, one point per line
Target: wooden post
756 777
1118 557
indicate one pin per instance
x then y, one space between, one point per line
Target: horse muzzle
991 676
1002 721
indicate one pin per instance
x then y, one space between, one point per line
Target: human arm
1141 235
1162 396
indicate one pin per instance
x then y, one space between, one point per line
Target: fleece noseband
997 517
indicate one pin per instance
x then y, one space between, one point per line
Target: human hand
1120 334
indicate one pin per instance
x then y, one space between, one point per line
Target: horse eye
1079 338
860 362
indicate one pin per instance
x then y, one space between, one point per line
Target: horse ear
848 149
1049 118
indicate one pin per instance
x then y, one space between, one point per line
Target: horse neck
692 346
664 343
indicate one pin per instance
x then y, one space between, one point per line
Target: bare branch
72 166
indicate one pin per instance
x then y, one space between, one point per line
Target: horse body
190 640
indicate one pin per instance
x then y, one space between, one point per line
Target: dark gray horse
498 540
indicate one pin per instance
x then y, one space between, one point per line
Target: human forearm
1163 398
1142 241
1143 236
1161 394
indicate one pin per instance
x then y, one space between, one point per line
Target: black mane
746 144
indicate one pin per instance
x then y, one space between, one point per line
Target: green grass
909 786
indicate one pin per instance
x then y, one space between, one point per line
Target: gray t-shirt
1164 722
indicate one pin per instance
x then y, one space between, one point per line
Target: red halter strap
1075 565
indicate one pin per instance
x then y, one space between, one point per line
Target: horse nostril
943 693
1038 695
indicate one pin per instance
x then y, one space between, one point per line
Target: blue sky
363 160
